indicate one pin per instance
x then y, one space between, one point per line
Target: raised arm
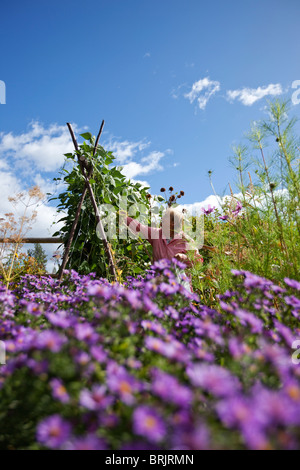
149 233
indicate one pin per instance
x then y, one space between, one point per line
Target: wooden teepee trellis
87 171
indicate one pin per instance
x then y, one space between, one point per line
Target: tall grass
259 228
13 228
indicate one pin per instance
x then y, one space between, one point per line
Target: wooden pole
32 240
84 169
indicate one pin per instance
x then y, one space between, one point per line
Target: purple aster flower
171 349
292 283
236 411
153 326
168 273
208 329
178 263
148 423
139 446
238 208
96 399
274 407
292 390
38 367
288 336
169 289
133 363
170 311
34 308
59 391
84 332
213 379
99 290
238 348
245 318
253 281
109 420
191 438
133 297
82 358
121 382
53 432
161 264
89 442
169 389
224 217
293 302
60 319
50 340
209 209
155 344
150 306
98 353
241 413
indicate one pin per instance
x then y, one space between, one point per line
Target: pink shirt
161 248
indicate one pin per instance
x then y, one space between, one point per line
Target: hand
181 257
122 217
122 213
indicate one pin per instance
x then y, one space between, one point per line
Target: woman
169 241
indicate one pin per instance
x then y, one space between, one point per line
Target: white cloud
148 164
133 164
144 183
125 150
43 147
202 90
147 54
175 92
195 208
248 96
10 185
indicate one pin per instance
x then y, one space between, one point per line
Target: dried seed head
181 193
36 193
162 190
171 188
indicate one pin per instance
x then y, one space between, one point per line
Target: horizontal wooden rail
32 240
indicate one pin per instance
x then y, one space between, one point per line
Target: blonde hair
175 217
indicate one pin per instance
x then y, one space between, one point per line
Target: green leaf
86 136
92 181
137 270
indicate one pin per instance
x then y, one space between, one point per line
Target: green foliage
263 237
109 185
39 254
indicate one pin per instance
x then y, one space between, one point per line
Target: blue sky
161 74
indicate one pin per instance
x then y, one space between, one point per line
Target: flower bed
91 365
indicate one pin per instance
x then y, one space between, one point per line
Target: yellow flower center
150 422
61 390
294 392
54 432
125 387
